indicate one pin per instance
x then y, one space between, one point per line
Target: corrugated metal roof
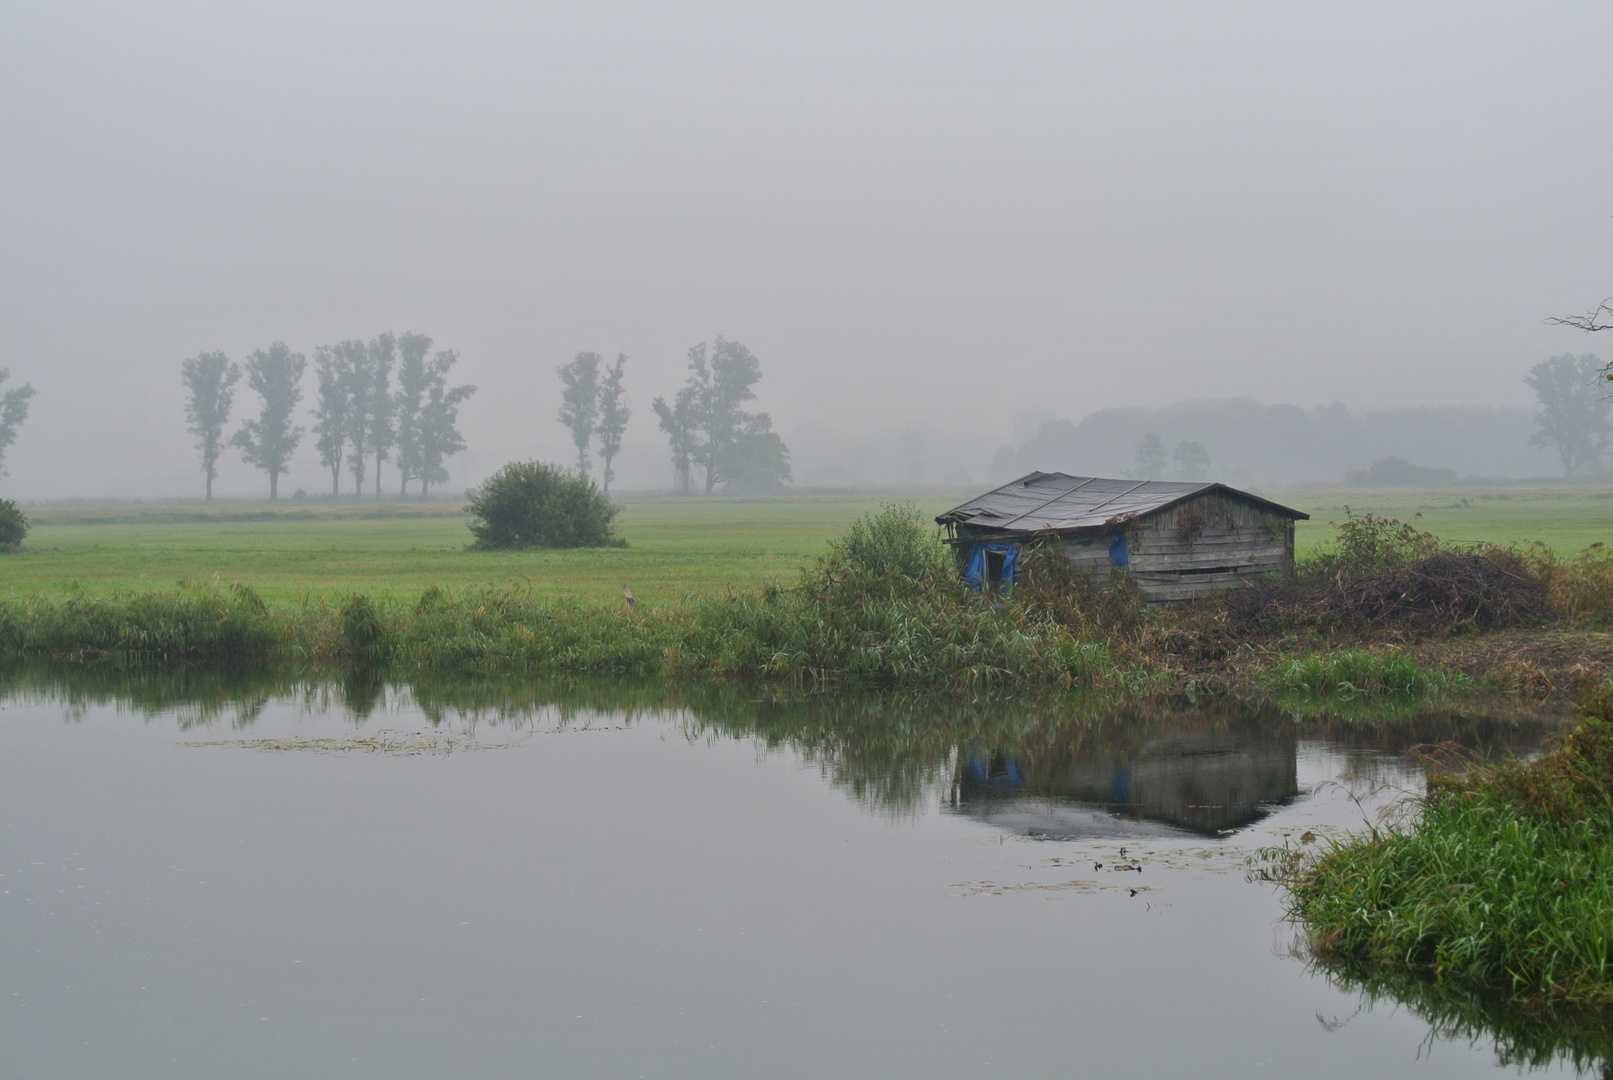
1040 502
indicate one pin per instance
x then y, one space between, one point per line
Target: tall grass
1362 673
882 607
1505 879
1580 586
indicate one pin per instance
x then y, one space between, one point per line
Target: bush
13 525
896 547
529 504
1368 544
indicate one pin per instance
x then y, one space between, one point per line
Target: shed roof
1057 502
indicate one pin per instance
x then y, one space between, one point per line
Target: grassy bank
880 605
1504 880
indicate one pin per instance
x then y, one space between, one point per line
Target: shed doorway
991 566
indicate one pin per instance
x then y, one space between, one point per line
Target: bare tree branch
1600 319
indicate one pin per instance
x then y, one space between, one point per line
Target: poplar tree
383 354
211 379
414 383
678 421
425 413
275 375
331 411
354 361
439 419
613 417
579 396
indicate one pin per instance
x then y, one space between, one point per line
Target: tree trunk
378 478
209 487
605 488
274 484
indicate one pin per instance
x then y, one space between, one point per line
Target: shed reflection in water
1198 782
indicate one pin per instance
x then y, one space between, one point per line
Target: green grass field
676 546
1566 519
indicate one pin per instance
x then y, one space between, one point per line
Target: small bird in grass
627 591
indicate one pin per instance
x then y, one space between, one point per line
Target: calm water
272 880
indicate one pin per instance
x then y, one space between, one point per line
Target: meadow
394 551
676 546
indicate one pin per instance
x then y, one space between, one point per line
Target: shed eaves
1043 502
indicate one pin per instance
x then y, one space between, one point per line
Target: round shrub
13 525
530 504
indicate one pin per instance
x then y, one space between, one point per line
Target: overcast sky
915 213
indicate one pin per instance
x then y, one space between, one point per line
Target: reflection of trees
891 753
196 697
1527 1033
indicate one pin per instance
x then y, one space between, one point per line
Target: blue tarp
1117 549
975 573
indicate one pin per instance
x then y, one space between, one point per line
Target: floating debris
391 744
997 888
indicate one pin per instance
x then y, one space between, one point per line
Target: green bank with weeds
881 607
1354 673
1503 881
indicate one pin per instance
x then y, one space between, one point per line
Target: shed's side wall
1193 549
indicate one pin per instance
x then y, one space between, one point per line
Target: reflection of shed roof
1041 501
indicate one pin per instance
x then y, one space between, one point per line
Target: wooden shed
1175 541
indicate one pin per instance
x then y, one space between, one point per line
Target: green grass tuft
1504 880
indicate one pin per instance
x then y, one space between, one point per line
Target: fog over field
945 229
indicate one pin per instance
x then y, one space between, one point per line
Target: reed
1504 879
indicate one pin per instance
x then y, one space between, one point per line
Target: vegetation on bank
883 607
1504 879
880 608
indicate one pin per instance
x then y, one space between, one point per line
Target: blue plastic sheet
974 575
1117 549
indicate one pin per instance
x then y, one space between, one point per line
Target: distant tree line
360 420
1189 461
708 431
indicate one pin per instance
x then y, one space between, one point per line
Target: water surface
208 877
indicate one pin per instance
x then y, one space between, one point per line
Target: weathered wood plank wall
1195 548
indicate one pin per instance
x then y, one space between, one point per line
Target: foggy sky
921 215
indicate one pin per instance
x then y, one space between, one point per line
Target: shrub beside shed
1175 541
